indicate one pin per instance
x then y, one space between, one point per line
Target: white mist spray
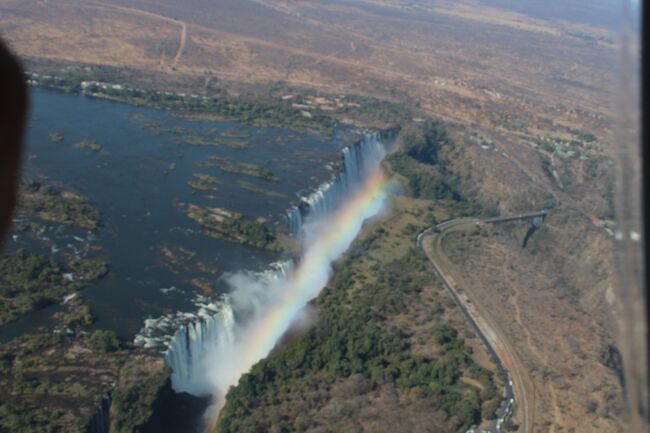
213 348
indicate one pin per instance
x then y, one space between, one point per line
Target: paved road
518 385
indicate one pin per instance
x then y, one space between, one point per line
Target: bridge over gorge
537 218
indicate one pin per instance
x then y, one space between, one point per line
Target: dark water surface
138 181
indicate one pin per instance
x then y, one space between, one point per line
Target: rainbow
329 242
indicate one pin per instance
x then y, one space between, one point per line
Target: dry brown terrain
460 60
553 301
541 307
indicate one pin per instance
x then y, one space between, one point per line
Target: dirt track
132 11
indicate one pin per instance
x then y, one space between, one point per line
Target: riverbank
283 108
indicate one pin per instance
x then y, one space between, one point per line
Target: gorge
213 347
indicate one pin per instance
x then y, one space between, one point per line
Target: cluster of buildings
320 102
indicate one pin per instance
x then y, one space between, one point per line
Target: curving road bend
519 387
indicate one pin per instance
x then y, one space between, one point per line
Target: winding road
519 388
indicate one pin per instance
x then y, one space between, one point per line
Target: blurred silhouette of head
13 111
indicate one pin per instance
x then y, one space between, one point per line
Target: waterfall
188 340
100 421
359 160
195 341
209 350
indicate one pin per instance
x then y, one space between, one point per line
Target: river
139 179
